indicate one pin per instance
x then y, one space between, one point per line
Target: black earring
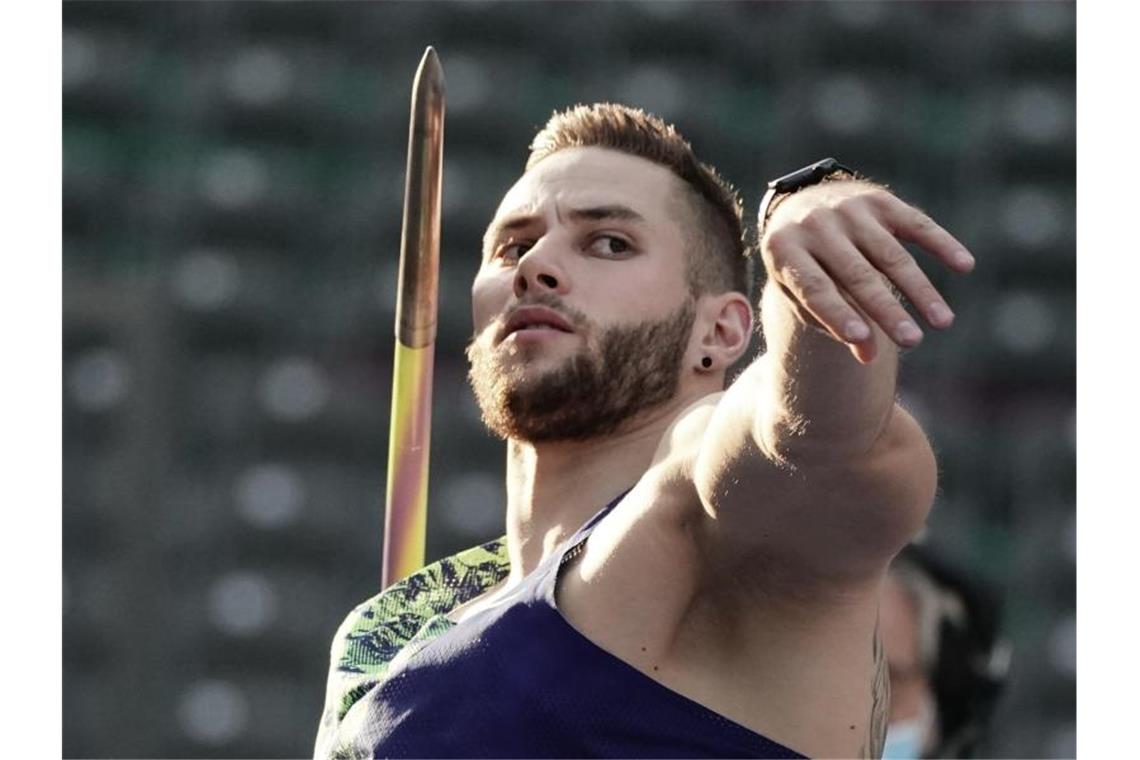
706 362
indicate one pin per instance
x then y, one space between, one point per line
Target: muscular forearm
817 399
833 317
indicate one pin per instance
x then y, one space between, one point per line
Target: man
726 601
947 662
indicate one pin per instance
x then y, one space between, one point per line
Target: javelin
417 304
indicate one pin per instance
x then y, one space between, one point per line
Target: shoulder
375 631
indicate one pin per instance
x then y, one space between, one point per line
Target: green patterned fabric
394 624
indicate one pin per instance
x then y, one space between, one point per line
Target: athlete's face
582 309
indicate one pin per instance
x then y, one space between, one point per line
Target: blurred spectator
947 662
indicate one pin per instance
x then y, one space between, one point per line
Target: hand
834 249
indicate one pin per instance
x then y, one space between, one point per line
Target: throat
554 487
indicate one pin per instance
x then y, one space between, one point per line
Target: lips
535 317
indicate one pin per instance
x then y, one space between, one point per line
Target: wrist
831 181
779 189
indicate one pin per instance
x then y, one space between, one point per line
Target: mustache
577 319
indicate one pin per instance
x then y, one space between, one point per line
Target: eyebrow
614 211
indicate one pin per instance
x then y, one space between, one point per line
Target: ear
724 328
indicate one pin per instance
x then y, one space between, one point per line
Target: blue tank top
517 680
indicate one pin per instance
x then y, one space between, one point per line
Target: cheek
650 294
489 296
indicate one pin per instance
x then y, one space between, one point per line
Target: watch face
809 175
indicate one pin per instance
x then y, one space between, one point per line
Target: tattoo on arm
880 700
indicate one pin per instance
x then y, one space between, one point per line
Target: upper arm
832 515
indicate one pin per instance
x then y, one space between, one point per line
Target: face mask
907 738
904 740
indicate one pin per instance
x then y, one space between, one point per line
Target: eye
609 246
512 250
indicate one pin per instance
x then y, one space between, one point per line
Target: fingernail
908 332
940 314
856 331
964 258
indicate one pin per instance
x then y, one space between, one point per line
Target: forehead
579 177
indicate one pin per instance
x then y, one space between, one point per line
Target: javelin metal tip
430 69
417 302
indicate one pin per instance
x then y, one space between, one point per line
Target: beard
618 372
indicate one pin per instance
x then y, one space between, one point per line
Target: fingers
834 274
889 257
842 261
912 225
861 276
814 289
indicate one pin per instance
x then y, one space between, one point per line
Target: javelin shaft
417 305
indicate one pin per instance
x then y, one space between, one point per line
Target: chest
638 589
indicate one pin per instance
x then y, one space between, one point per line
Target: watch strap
824 170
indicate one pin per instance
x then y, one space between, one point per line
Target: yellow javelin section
409 447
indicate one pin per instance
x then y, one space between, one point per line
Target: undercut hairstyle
717 251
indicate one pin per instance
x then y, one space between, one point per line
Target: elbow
888 489
903 471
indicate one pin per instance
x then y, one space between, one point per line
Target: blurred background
232 186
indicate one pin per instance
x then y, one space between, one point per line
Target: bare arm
816 400
807 457
832 319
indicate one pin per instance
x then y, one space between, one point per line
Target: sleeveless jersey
511 680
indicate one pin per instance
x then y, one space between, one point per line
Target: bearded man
687 570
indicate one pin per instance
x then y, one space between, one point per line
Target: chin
535 353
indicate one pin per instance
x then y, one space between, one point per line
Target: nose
539 271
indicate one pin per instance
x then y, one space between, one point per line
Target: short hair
717 260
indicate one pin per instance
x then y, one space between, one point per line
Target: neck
553 488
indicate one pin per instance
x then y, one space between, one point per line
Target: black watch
820 171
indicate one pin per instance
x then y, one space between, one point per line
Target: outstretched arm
808 458
832 318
